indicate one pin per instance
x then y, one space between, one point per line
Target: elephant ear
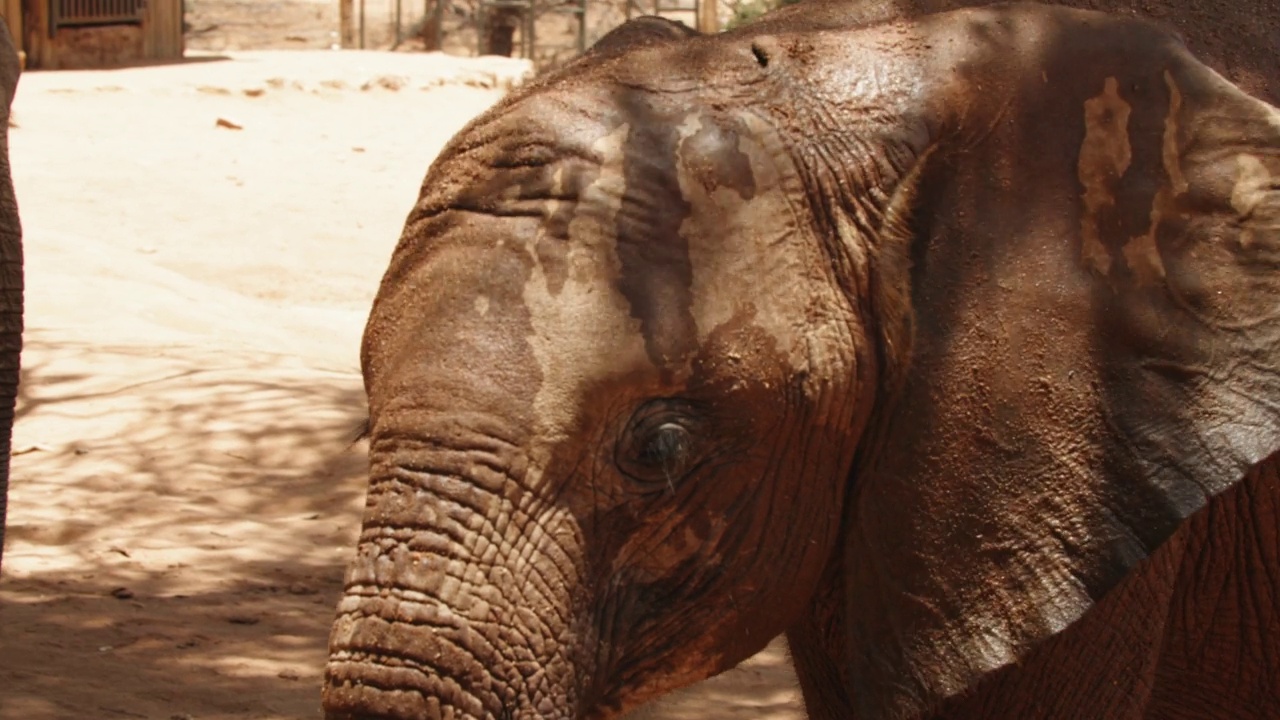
1094 324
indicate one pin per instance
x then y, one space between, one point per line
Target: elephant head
908 339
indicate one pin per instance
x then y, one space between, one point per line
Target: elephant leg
1219 653
11 279
1188 635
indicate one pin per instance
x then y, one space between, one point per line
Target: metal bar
101 20
86 13
440 25
399 35
529 32
582 27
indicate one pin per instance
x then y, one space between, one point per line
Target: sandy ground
185 491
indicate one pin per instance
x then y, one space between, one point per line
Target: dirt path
186 494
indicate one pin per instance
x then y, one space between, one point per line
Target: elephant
918 341
11 274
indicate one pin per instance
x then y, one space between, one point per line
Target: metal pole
398 36
443 6
440 24
582 26
529 31
361 24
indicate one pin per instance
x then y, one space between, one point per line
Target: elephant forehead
678 230
582 327
751 252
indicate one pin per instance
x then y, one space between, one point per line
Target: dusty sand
185 491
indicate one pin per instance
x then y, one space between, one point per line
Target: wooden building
66 34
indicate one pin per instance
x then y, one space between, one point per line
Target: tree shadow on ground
180 522
762 688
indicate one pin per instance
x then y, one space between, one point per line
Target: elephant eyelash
360 432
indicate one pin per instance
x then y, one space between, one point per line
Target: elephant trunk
455 606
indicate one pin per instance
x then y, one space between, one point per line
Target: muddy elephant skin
910 340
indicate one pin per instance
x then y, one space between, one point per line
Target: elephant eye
659 446
667 449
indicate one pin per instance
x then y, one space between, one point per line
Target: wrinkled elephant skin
912 341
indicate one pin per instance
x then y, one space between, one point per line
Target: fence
551 32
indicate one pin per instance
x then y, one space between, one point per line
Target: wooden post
13 18
346 23
708 22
